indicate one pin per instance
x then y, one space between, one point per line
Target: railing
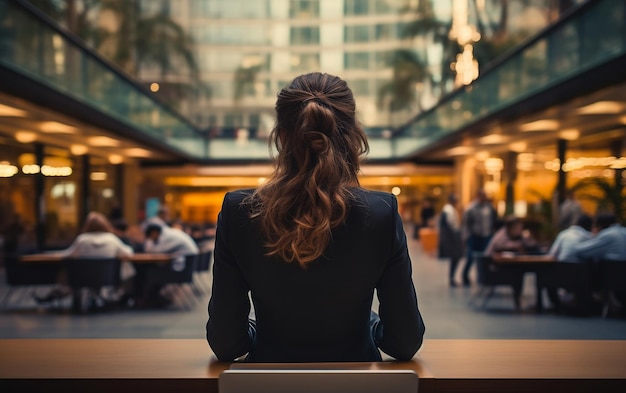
33 45
591 35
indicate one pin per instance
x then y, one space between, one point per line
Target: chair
614 280
491 276
317 380
86 277
18 274
159 276
203 266
572 276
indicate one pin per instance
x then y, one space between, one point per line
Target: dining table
51 257
529 263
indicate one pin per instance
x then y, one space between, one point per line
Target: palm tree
139 40
609 196
403 90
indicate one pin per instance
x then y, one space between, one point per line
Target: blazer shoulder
378 199
237 197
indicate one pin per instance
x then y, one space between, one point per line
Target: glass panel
304 8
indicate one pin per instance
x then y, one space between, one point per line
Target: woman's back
321 313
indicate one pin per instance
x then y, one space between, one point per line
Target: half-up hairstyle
319 144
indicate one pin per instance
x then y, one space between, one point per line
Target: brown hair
319 144
96 222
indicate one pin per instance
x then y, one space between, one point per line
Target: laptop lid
317 381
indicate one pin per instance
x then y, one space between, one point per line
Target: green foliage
609 196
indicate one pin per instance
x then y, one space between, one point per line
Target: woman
97 240
311 247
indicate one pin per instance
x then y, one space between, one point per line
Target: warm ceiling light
518 147
460 151
98 176
79 150
570 134
154 87
482 155
116 159
9 111
137 152
103 141
622 119
25 136
540 125
56 127
493 139
601 107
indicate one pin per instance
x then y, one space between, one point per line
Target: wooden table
135 258
160 365
520 259
529 263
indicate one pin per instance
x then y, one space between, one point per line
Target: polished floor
445 310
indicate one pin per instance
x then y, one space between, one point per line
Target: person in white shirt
564 246
163 239
97 240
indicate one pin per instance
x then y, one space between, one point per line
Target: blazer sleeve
400 331
229 332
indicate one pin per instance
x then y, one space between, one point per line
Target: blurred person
512 238
450 243
310 246
164 239
564 246
478 225
563 250
609 241
569 211
97 240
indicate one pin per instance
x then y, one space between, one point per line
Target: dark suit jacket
321 313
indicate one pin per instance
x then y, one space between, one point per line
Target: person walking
479 223
310 247
450 243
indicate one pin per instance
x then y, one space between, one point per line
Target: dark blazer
320 313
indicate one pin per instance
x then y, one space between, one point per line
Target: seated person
97 240
563 248
164 239
609 243
511 237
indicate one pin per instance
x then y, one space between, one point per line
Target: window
357 7
305 62
386 32
356 61
357 33
304 9
305 35
360 87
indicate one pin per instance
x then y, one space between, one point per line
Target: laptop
315 378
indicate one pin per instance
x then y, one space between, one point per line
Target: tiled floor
444 309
